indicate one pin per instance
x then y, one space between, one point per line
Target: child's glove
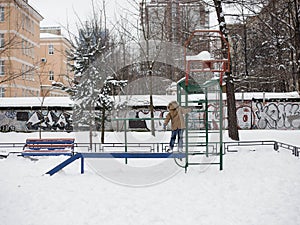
165 127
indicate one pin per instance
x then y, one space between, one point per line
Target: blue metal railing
10 148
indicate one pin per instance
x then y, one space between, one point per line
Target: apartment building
173 20
30 59
53 61
19 38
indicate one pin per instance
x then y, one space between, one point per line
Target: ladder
204 133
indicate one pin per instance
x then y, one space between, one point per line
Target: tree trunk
231 107
231 110
297 42
91 127
146 35
102 125
152 115
151 102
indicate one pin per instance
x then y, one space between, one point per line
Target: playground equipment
125 150
117 155
202 89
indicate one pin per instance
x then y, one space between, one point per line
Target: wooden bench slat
46 151
49 145
50 141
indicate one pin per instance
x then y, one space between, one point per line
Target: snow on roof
266 95
204 55
134 100
143 100
50 36
35 102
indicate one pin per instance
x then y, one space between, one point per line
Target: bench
48 147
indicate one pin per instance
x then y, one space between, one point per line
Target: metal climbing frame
201 90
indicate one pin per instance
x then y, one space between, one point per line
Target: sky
70 12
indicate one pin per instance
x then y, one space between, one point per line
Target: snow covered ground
258 186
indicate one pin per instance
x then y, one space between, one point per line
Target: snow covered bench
48 147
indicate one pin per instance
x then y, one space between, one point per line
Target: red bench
48 146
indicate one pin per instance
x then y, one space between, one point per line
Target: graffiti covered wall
277 115
250 115
31 120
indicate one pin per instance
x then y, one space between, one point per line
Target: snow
35 101
264 95
257 186
50 36
133 100
204 55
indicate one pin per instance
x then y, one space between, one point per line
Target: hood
173 105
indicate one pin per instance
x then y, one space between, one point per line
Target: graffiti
158 124
7 128
136 124
244 116
278 115
196 119
34 120
294 121
250 115
10 114
213 117
49 121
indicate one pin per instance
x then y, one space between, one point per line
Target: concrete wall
250 114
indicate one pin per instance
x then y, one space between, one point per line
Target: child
177 124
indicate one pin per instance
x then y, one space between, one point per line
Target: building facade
173 20
53 61
19 33
28 62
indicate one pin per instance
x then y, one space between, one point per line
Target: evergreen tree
94 84
88 50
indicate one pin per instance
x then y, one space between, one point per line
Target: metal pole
125 137
186 132
82 165
221 127
206 122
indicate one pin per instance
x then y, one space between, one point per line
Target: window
23 19
2 92
24 47
30 73
1 67
51 75
1 14
23 71
50 49
32 27
2 43
26 72
32 51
